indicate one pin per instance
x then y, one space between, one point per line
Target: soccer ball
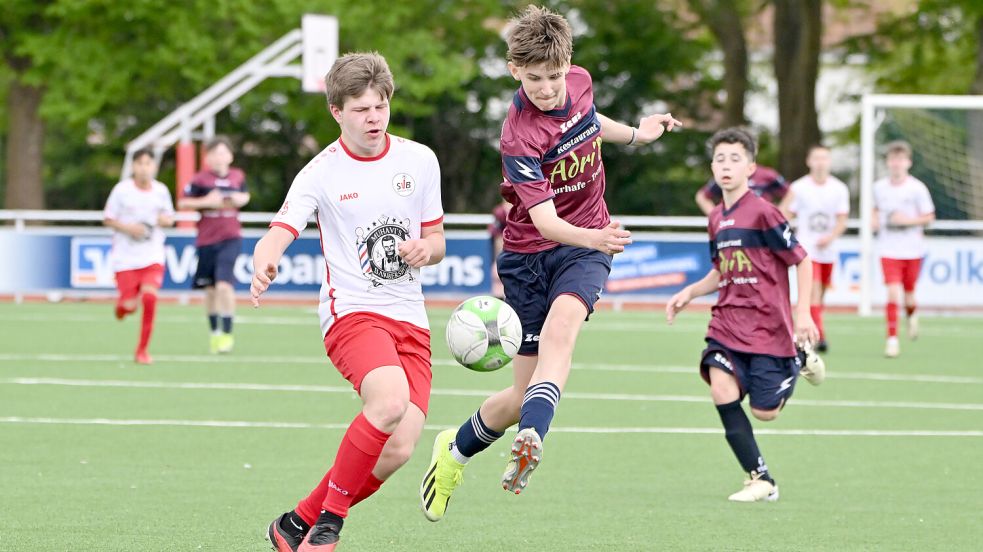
484 333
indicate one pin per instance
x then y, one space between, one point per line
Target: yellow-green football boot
443 476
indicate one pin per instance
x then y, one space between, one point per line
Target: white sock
456 454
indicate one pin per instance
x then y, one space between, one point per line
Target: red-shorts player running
136 209
902 208
821 202
377 202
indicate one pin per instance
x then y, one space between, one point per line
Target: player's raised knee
765 415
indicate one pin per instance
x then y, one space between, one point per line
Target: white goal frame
872 116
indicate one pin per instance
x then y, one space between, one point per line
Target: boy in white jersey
902 209
136 209
821 203
377 202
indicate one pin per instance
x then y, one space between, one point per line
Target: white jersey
365 208
129 204
910 198
816 207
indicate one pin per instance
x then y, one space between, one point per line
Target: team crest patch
378 251
403 184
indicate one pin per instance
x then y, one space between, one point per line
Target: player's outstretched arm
805 328
610 240
706 285
266 258
649 129
703 202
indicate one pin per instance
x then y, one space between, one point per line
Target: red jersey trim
385 150
287 227
433 222
327 272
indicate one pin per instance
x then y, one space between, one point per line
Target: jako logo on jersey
570 122
283 210
403 184
344 197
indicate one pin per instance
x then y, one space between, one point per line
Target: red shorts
822 273
901 271
128 282
363 341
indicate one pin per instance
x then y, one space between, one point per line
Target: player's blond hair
539 35
355 72
898 146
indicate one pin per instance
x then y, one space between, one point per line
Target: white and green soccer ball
484 333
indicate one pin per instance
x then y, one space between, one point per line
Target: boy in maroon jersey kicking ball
751 348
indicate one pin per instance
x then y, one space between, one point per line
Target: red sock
147 327
817 316
357 455
892 320
310 508
910 309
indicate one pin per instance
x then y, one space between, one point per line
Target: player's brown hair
539 35
898 146
217 141
734 135
142 152
353 73
816 146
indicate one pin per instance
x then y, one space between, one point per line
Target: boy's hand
677 303
805 330
416 253
611 239
652 127
262 278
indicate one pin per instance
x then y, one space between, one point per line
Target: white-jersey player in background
377 202
136 209
820 203
902 209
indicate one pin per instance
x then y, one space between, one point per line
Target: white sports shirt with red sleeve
365 208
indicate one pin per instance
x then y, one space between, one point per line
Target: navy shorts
216 263
532 281
767 379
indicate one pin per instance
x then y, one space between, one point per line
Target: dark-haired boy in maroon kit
751 348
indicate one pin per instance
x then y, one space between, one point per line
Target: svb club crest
378 251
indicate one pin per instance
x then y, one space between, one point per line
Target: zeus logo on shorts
531 338
724 361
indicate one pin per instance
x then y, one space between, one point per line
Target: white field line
598 325
586 366
572 395
636 430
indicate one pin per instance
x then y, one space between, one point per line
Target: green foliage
917 52
112 69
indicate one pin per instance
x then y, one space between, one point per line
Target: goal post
946 134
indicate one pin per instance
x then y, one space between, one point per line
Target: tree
725 19
798 31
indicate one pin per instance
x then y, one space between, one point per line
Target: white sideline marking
664 430
586 366
572 395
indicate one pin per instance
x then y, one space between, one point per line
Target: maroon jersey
553 155
217 224
764 182
752 246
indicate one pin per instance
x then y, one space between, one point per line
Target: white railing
20 218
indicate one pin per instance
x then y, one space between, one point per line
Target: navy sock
740 437
227 324
474 436
213 322
538 407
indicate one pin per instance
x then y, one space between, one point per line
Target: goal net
946 136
